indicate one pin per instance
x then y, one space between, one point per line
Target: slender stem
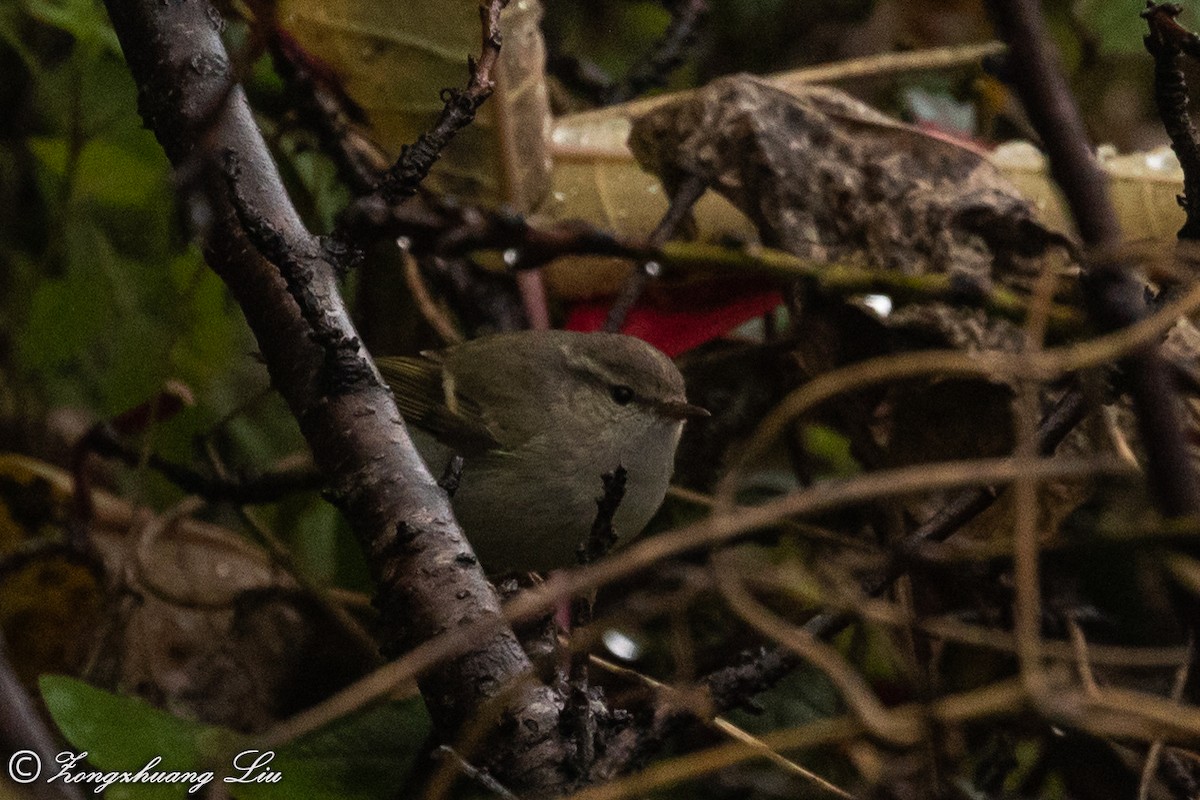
1114 294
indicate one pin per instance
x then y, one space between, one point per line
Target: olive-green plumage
538 417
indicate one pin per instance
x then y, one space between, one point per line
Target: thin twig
716 529
994 699
475 774
1046 365
958 511
321 104
848 278
1179 776
883 64
1166 42
429 308
148 573
950 629
689 191
879 65
169 401
417 159
330 599
853 689
1030 443
1083 661
452 230
727 728
602 537
654 69
577 715
1156 748
1115 296
265 487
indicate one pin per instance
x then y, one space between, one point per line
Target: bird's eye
621 395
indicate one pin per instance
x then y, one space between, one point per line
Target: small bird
538 417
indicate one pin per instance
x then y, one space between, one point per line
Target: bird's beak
678 409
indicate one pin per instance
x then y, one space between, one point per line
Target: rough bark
428 580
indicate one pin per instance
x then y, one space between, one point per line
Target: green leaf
365 756
124 734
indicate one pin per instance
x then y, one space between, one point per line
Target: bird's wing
428 400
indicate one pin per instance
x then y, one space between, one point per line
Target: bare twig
402 180
321 104
440 227
854 690
727 728
993 699
475 774
577 714
951 629
426 304
958 511
1118 716
331 600
1114 295
1027 591
1046 365
1178 775
718 528
1156 748
654 69
1166 42
445 229
265 487
685 197
172 399
602 537
879 65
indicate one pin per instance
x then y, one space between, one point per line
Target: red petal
681 318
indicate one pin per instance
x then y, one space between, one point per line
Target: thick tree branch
427 578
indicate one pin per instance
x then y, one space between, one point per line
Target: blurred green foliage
103 297
1117 26
106 295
